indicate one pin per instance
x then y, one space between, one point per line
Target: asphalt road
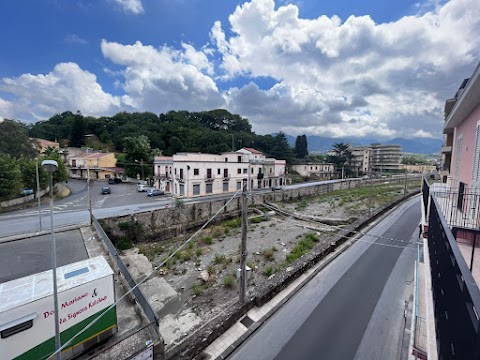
29 256
354 308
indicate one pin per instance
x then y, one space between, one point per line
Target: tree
137 151
342 156
61 174
78 131
281 149
10 177
301 147
14 140
29 173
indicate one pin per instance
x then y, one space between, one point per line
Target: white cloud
165 79
395 75
67 87
75 39
130 6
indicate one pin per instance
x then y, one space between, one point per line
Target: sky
374 69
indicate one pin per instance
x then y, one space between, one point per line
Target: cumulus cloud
130 6
391 79
163 79
67 87
75 39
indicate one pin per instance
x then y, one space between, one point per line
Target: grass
219 259
233 223
207 240
268 254
228 281
198 252
123 244
302 204
303 247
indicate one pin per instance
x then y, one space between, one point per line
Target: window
218 172
476 172
182 189
225 186
226 159
239 159
239 171
196 172
17 326
239 185
181 173
77 272
208 188
252 170
225 173
196 189
245 171
209 173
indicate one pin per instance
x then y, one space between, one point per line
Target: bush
207 240
306 244
199 252
217 231
228 281
123 244
234 223
268 271
197 289
256 220
219 258
211 269
268 254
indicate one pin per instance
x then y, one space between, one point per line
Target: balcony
260 176
446 149
179 179
209 179
165 176
226 178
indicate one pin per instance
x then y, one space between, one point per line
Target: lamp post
38 194
51 166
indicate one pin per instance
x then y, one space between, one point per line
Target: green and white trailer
27 325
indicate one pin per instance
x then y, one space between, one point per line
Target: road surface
354 308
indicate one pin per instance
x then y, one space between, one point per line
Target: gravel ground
184 300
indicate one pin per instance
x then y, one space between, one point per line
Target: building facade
386 158
361 160
323 171
198 174
101 166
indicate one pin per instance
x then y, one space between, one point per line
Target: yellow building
101 166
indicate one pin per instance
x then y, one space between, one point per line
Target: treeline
213 131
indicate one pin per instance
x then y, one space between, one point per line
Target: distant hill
416 145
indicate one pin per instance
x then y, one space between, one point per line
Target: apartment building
100 165
323 171
361 160
199 174
386 158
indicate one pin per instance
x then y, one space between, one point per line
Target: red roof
253 151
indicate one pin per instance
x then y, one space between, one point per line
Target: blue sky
333 68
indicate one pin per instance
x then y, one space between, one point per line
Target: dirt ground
201 279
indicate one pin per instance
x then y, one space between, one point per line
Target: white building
198 174
361 162
324 171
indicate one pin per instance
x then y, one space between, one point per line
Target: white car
143 187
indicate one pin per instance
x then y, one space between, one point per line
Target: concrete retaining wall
164 224
22 200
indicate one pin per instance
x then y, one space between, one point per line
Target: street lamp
50 166
38 194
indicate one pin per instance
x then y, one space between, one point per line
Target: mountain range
415 145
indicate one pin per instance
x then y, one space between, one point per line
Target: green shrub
217 231
234 223
199 252
211 269
256 220
268 254
219 258
228 281
251 265
207 240
268 270
123 244
197 289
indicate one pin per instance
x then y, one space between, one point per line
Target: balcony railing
446 149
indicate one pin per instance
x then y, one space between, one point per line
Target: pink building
461 150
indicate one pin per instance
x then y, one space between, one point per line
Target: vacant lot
200 280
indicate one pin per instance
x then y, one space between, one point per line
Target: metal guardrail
455 294
139 297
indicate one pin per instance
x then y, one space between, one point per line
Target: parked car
26 191
143 187
275 188
155 192
111 181
106 190
114 180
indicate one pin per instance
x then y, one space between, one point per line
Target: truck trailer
27 318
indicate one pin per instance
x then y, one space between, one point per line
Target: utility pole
370 195
141 164
405 183
243 254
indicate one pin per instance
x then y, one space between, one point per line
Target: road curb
16 237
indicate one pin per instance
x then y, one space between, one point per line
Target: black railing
425 194
139 297
455 294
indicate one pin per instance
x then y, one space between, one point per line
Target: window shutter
459 156
476 170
